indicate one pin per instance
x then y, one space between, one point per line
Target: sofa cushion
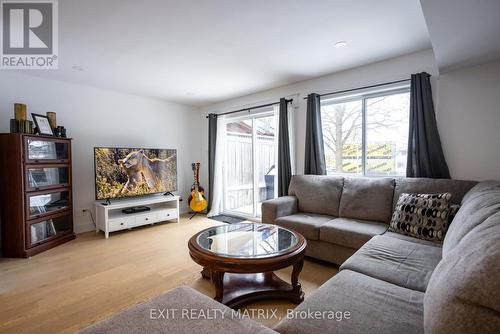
328 252
410 239
481 202
306 224
317 193
404 263
423 216
463 295
419 185
374 306
148 317
368 199
350 232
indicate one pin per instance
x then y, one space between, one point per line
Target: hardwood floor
90 278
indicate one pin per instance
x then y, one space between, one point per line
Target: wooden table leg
205 273
218 279
297 288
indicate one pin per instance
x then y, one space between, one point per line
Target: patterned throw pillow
423 216
453 212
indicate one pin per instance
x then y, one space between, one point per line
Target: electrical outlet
81 212
87 213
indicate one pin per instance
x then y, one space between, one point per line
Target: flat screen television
127 172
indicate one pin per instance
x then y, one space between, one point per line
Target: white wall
389 70
95 117
469 121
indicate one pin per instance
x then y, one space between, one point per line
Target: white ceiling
463 32
199 52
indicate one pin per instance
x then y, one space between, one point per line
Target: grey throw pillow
423 216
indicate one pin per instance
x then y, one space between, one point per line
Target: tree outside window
366 135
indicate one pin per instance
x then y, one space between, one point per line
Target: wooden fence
238 169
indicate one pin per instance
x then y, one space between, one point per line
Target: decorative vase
52 119
20 111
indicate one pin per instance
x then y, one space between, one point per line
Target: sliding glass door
250 165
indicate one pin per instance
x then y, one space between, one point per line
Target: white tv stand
110 217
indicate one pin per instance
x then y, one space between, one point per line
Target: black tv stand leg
168 193
108 202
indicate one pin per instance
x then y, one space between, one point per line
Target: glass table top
247 240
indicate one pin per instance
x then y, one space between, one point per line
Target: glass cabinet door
48 229
46 150
44 204
45 177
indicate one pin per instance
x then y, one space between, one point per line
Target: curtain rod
249 109
365 87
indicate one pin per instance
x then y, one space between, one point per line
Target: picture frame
43 125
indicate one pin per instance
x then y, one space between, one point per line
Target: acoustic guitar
196 200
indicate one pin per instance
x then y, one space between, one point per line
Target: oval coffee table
240 260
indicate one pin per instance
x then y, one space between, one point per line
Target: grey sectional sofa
396 283
391 284
178 311
339 215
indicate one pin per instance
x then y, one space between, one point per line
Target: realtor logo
29 34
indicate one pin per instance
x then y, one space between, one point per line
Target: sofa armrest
278 207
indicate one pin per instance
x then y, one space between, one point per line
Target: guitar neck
197 173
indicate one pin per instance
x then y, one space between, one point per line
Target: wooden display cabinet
36 208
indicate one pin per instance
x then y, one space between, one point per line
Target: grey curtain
425 154
284 165
315 152
212 139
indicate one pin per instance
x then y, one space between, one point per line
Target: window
366 135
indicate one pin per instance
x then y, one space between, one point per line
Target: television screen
125 172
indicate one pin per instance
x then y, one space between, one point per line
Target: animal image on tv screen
125 172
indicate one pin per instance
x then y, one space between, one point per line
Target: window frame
362 96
